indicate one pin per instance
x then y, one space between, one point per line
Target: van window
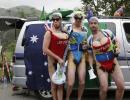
111 26
127 31
103 25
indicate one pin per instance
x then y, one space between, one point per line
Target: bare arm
46 43
91 59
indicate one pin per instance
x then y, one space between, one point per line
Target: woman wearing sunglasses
76 54
54 44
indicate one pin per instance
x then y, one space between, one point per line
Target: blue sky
48 4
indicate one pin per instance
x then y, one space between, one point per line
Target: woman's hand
60 61
117 50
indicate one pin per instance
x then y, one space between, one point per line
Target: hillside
20 11
7 38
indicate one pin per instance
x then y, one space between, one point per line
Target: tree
107 7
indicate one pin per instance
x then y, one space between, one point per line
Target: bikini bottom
107 61
107 66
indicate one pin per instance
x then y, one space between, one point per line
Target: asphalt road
6 93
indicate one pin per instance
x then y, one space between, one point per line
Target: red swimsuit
58 45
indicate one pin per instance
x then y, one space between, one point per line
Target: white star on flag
34 38
45 63
48 80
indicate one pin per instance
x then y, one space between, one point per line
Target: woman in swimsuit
76 55
54 45
101 42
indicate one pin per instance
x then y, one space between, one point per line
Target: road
6 93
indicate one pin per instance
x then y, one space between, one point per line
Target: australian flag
35 61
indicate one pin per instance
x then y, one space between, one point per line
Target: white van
121 28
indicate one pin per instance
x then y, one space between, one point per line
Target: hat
56 14
78 14
93 18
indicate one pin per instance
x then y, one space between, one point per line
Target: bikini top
77 37
107 46
103 47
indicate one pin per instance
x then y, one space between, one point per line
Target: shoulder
108 32
48 33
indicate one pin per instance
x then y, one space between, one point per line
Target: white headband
93 18
56 14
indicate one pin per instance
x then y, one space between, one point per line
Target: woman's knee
121 87
104 88
82 82
70 83
82 76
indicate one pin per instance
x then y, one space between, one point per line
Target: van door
126 46
126 27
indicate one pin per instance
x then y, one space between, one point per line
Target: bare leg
54 91
70 76
60 92
8 70
119 81
3 72
81 74
103 79
51 70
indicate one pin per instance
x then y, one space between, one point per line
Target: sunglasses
55 19
78 18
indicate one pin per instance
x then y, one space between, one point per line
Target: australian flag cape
35 61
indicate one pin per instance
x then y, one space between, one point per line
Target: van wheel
43 94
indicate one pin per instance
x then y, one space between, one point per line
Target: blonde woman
76 55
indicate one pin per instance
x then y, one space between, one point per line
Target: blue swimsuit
77 38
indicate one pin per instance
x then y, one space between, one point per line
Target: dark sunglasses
78 18
55 19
